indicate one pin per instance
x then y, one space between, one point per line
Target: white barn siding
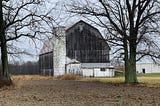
87 72
147 68
106 73
59 51
96 72
74 68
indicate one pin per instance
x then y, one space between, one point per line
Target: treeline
26 68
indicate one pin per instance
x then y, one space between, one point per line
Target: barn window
102 69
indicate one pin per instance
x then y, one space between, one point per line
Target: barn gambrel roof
48 44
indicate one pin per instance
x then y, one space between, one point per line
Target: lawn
148 81
149 75
152 80
56 91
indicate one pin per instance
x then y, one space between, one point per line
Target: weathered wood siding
85 43
46 63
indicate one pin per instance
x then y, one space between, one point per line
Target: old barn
78 49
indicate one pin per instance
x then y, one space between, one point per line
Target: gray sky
62 19
26 44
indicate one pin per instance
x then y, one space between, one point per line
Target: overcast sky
29 46
62 19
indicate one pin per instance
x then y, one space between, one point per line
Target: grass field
148 81
152 80
149 75
36 90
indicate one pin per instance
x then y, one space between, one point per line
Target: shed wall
96 72
148 68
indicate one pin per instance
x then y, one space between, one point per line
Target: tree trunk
130 62
130 71
4 58
4 75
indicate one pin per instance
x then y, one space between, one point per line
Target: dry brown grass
39 77
31 77
68 77
112 80
149 81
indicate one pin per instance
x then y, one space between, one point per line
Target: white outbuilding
147 68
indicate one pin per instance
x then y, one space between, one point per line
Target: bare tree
21 18
132 26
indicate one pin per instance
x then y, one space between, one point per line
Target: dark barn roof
86 44
81 21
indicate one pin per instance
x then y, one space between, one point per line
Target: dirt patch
77 93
